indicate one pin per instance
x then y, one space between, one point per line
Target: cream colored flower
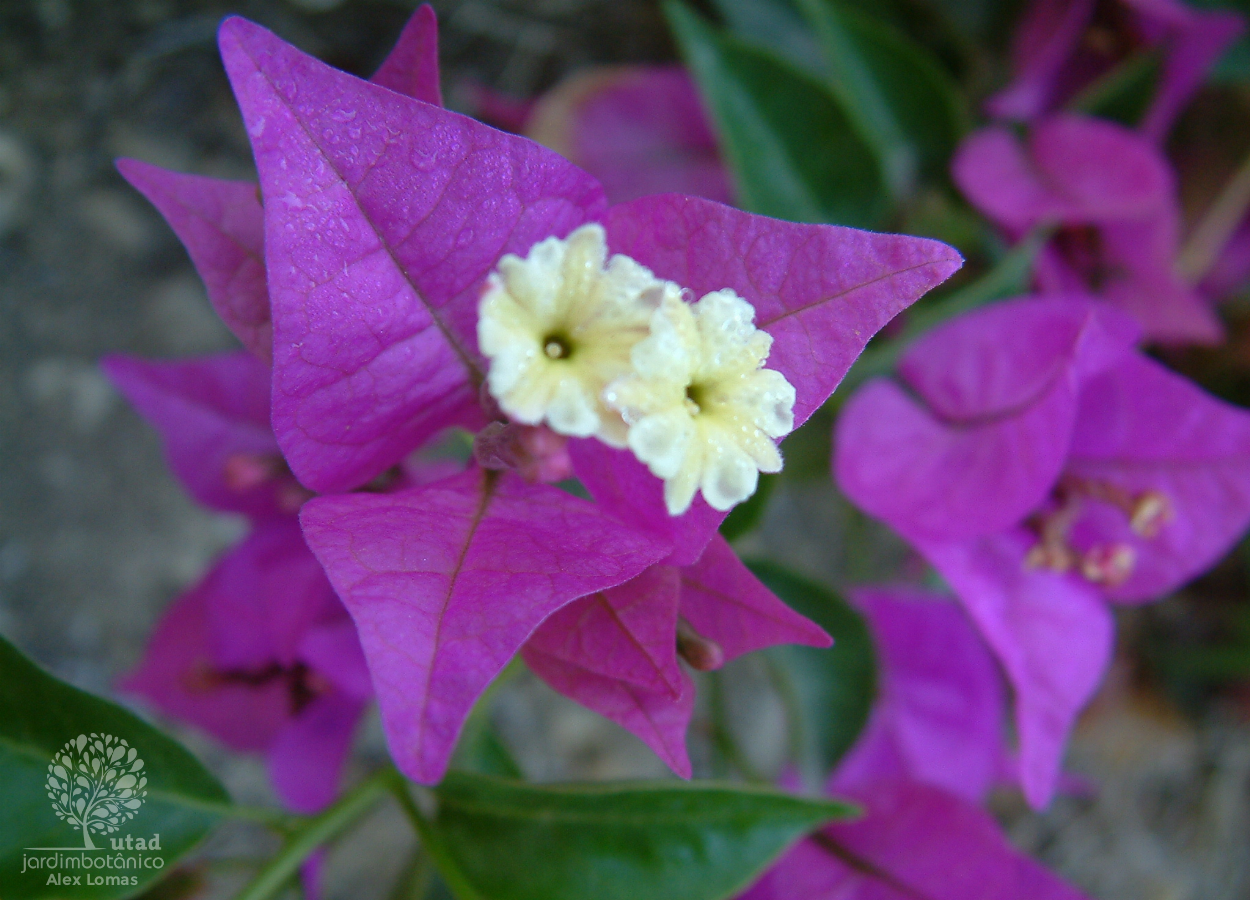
558 326
701 408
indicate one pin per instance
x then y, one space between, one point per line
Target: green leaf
775 25
792 152
895 93
660 841
1123 94
480 749
38 716
831 690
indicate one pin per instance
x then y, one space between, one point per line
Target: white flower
701 408
558 326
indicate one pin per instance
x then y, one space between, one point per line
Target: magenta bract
221 223
938 717
616 652
638 129
261 655
914 841
448 580
1113 195
1042 465
383 216
1063 46
213 417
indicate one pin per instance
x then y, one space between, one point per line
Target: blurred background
96 537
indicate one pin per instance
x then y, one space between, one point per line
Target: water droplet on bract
343 115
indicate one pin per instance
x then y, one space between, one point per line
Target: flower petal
930 479
1001 358
639 129
208 411
1073 169
1144 428
940 701
625 487
221 224
176 676
411 68
726 603
821 291
307 756
914 842
268 591
448 580
383 217
628 633
1052 634
658 718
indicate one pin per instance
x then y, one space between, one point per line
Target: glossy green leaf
661 841
39 715
828 692
792 152
895 93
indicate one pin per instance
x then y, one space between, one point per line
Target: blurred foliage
770 117
828 692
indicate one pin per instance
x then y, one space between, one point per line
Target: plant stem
796 727
430 840
722 733
315 832
1217 226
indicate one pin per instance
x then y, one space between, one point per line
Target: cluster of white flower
600 347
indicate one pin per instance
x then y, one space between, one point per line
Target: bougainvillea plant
503 407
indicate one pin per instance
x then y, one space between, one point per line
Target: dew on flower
559 325
702 410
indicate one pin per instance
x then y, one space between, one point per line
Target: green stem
316 831
430 840
796 727
414 881
1217 227
722 734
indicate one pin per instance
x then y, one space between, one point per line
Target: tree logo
95 783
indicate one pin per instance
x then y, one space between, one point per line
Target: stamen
693 406
1151 511
1056 558
1147 512
1052 550
1109 564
